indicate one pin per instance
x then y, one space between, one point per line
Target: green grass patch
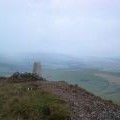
19 103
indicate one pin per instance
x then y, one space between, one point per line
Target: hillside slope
25 97
83 105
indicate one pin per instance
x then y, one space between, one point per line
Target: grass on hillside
19 103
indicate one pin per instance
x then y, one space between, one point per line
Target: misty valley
99 76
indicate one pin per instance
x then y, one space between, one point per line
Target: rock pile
24 77
83 105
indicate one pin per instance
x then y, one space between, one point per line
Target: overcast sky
74 27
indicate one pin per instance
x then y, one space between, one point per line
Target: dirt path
83 105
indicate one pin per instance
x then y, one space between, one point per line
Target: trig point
37 69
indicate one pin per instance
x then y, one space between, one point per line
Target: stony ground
83 105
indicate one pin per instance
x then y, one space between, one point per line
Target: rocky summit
83 105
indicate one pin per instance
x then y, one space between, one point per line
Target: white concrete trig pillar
37 68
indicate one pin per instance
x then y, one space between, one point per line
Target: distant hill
24 62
